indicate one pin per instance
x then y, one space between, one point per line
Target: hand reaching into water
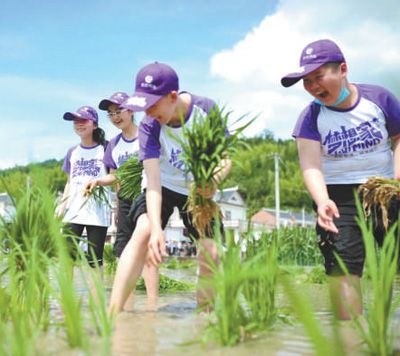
156 248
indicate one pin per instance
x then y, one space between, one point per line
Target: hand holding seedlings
99 194
208 191
129 175
89 187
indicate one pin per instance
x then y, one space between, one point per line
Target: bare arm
310 163
153 202
103 181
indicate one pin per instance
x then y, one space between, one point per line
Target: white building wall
236 212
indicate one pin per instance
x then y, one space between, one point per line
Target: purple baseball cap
153 81
117 98
313 56
84 112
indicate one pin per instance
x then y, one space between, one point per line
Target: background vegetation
252 172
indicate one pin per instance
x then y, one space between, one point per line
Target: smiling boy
350 132
157 93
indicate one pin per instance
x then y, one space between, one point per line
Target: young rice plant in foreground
206 144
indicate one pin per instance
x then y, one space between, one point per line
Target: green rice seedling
323 345
30 241
32 287
101 319
231 324
259 290
24 301
206 143
129 176
382 265
317 275
176 263
109 258
36 246
3 337
297 245
70 304
20 335
244 287
302 274
33 218
99 195
167 285
4 302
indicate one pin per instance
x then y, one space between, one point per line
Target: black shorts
348 244
170 199
125 226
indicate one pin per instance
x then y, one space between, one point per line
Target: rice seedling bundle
167 285
99 194
379 191
109 258
129 175
176 263
206 143
231 324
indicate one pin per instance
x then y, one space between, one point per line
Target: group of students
348 133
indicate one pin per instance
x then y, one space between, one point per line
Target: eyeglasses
111 114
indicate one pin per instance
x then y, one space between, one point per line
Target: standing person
83 163
118 151
346 135
157 94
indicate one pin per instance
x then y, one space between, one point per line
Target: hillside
252 171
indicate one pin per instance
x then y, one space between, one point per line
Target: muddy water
175 324
175 328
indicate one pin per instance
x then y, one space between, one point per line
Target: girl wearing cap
350 132
84 162
157 94
118 151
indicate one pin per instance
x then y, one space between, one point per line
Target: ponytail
99 136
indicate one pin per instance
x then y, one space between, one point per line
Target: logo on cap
136 101
309 53
148 78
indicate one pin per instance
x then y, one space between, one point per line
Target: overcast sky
56 56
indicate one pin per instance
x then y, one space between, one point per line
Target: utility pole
28 183
277 197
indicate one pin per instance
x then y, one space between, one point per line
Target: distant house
233 209
7 208
266 219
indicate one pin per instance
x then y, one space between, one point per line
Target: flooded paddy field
175 327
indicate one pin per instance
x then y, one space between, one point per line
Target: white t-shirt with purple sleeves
355 142
82 165
155 141
119 150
